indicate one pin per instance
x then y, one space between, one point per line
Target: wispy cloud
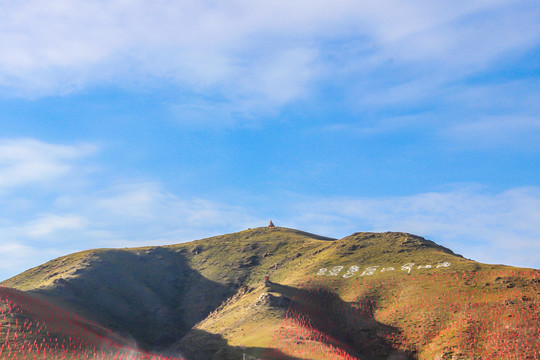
487 227
265 54
500 115
48 225
497 131
29 161
381 125
144 211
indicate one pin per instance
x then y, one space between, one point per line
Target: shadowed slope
157 294
151 294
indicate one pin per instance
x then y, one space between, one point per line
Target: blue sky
127 123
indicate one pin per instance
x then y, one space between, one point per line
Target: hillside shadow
154 297
201 345
151 296
352 324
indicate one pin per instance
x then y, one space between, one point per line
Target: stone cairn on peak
271 225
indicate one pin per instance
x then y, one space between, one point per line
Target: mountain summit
279 293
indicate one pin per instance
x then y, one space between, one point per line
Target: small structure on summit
271 224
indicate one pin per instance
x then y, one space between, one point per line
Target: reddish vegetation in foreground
485 315
34 329
465 315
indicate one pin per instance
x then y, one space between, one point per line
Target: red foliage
35 329
461 313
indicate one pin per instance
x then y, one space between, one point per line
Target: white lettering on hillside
351 272
371 270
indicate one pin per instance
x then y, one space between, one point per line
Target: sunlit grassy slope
207 299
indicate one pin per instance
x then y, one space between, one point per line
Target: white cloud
461 33
143 211
283 77
29 161
48 224
268 52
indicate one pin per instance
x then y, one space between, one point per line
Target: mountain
366 296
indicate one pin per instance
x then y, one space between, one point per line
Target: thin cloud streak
497 132
29 161
48 225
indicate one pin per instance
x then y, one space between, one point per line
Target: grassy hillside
156 294
367 296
